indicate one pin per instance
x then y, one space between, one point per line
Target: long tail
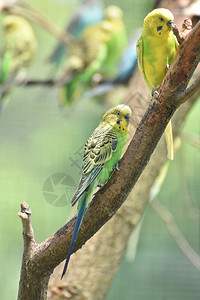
76 229
169 141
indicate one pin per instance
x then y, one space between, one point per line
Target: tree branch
25 216
47 255
189 92
182 68
175 232
31 82
32 14
186 27
38 286
92 268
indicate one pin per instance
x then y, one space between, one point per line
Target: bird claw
21 78
96 79
100 186
117 166
155 92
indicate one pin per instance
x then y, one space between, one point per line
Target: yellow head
105 31
118 117
113 12
12 23
100 32
158 23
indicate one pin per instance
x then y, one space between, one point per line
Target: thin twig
31 82
186 28
192 138
28 233
33 15
179 73
175 232
189 92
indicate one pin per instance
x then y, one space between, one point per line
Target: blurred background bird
102 152
126 67
18 50
156 49
118 39
92 53
89 12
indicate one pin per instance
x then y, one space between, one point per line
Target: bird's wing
90 61
5 68
139 52
99 147
98 150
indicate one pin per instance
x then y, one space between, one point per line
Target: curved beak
169 24
127 118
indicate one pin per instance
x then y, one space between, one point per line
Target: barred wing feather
99 149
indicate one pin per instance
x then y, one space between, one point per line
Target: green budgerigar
18 50
118 39
102 152
156 49
97 49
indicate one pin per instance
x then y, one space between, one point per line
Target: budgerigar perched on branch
19 49
102 152
156 49
89 54
89 12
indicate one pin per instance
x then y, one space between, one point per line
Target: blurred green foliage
39 139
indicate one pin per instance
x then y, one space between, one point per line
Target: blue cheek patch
159 28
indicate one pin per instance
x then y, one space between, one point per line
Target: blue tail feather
76 230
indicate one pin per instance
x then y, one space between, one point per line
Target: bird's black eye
118 113
161 19
8 26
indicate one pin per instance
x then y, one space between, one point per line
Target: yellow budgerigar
18 50
156 49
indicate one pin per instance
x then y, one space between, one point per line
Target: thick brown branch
100 257
108 200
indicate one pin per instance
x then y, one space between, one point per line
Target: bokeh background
39 142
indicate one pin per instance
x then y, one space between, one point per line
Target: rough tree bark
92 269
39 260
